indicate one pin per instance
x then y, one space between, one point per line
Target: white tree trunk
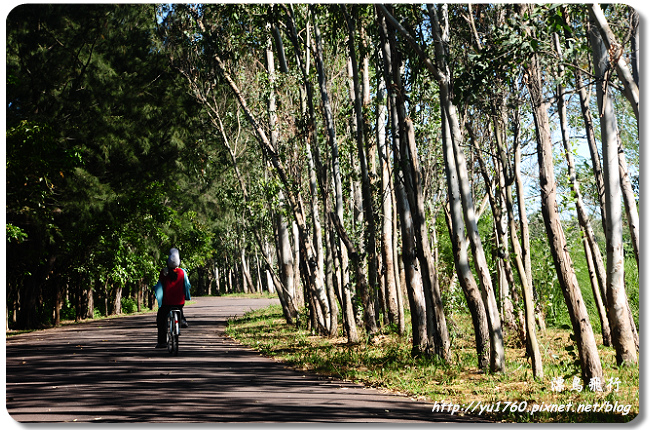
586 343
622 336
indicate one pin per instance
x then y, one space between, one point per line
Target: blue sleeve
187 285
158 291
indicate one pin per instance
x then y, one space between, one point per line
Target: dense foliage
104 157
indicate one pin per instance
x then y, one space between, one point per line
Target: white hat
174 259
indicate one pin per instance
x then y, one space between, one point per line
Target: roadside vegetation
385 361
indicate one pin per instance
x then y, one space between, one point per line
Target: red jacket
174 287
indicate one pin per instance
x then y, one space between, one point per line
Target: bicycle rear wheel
173 330
175 344
170 334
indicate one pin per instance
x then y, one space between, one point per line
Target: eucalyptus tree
593 253
615 52
189 34
630 85
620 323
392 75
500 104
361 136
497 357
586 344
438 68
337 252
394 309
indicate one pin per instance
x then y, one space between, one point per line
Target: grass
253 295
385 361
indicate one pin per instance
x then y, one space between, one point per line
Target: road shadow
109 371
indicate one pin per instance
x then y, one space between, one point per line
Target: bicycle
173 330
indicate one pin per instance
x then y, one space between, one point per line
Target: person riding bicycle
172 289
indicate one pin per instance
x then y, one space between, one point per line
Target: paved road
109 371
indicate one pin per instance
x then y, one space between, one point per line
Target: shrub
129 305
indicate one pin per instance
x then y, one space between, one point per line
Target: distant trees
307 145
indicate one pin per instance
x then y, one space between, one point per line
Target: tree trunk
387 211
117 300
437 324
523 218
308 108
284 287
497 353
593 149
413 280
370 248
90 303
461 258
529 308
313 159
584 335
622 336
631 90
294 201
58 302
285 259
526 284
593 253
318 241
507 309
634 45
285 256
629 200
246 274
602 311
583 218
329 122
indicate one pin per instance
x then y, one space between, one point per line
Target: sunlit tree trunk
368 295
622 336
594 251
413 278
630 88
523 218
526 285
246 274
293 199
285 256
497 353
461 257
337 253
585 341
507 309
436 322
595 288
387 210
629 201
596 164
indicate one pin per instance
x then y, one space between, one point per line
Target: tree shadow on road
109 371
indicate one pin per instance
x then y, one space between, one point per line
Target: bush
129 305
68 311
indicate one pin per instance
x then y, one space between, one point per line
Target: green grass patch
385 361
260 295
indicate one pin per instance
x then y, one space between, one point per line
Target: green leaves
15 233
101 136
555 21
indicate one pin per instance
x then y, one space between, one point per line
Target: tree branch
411 41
